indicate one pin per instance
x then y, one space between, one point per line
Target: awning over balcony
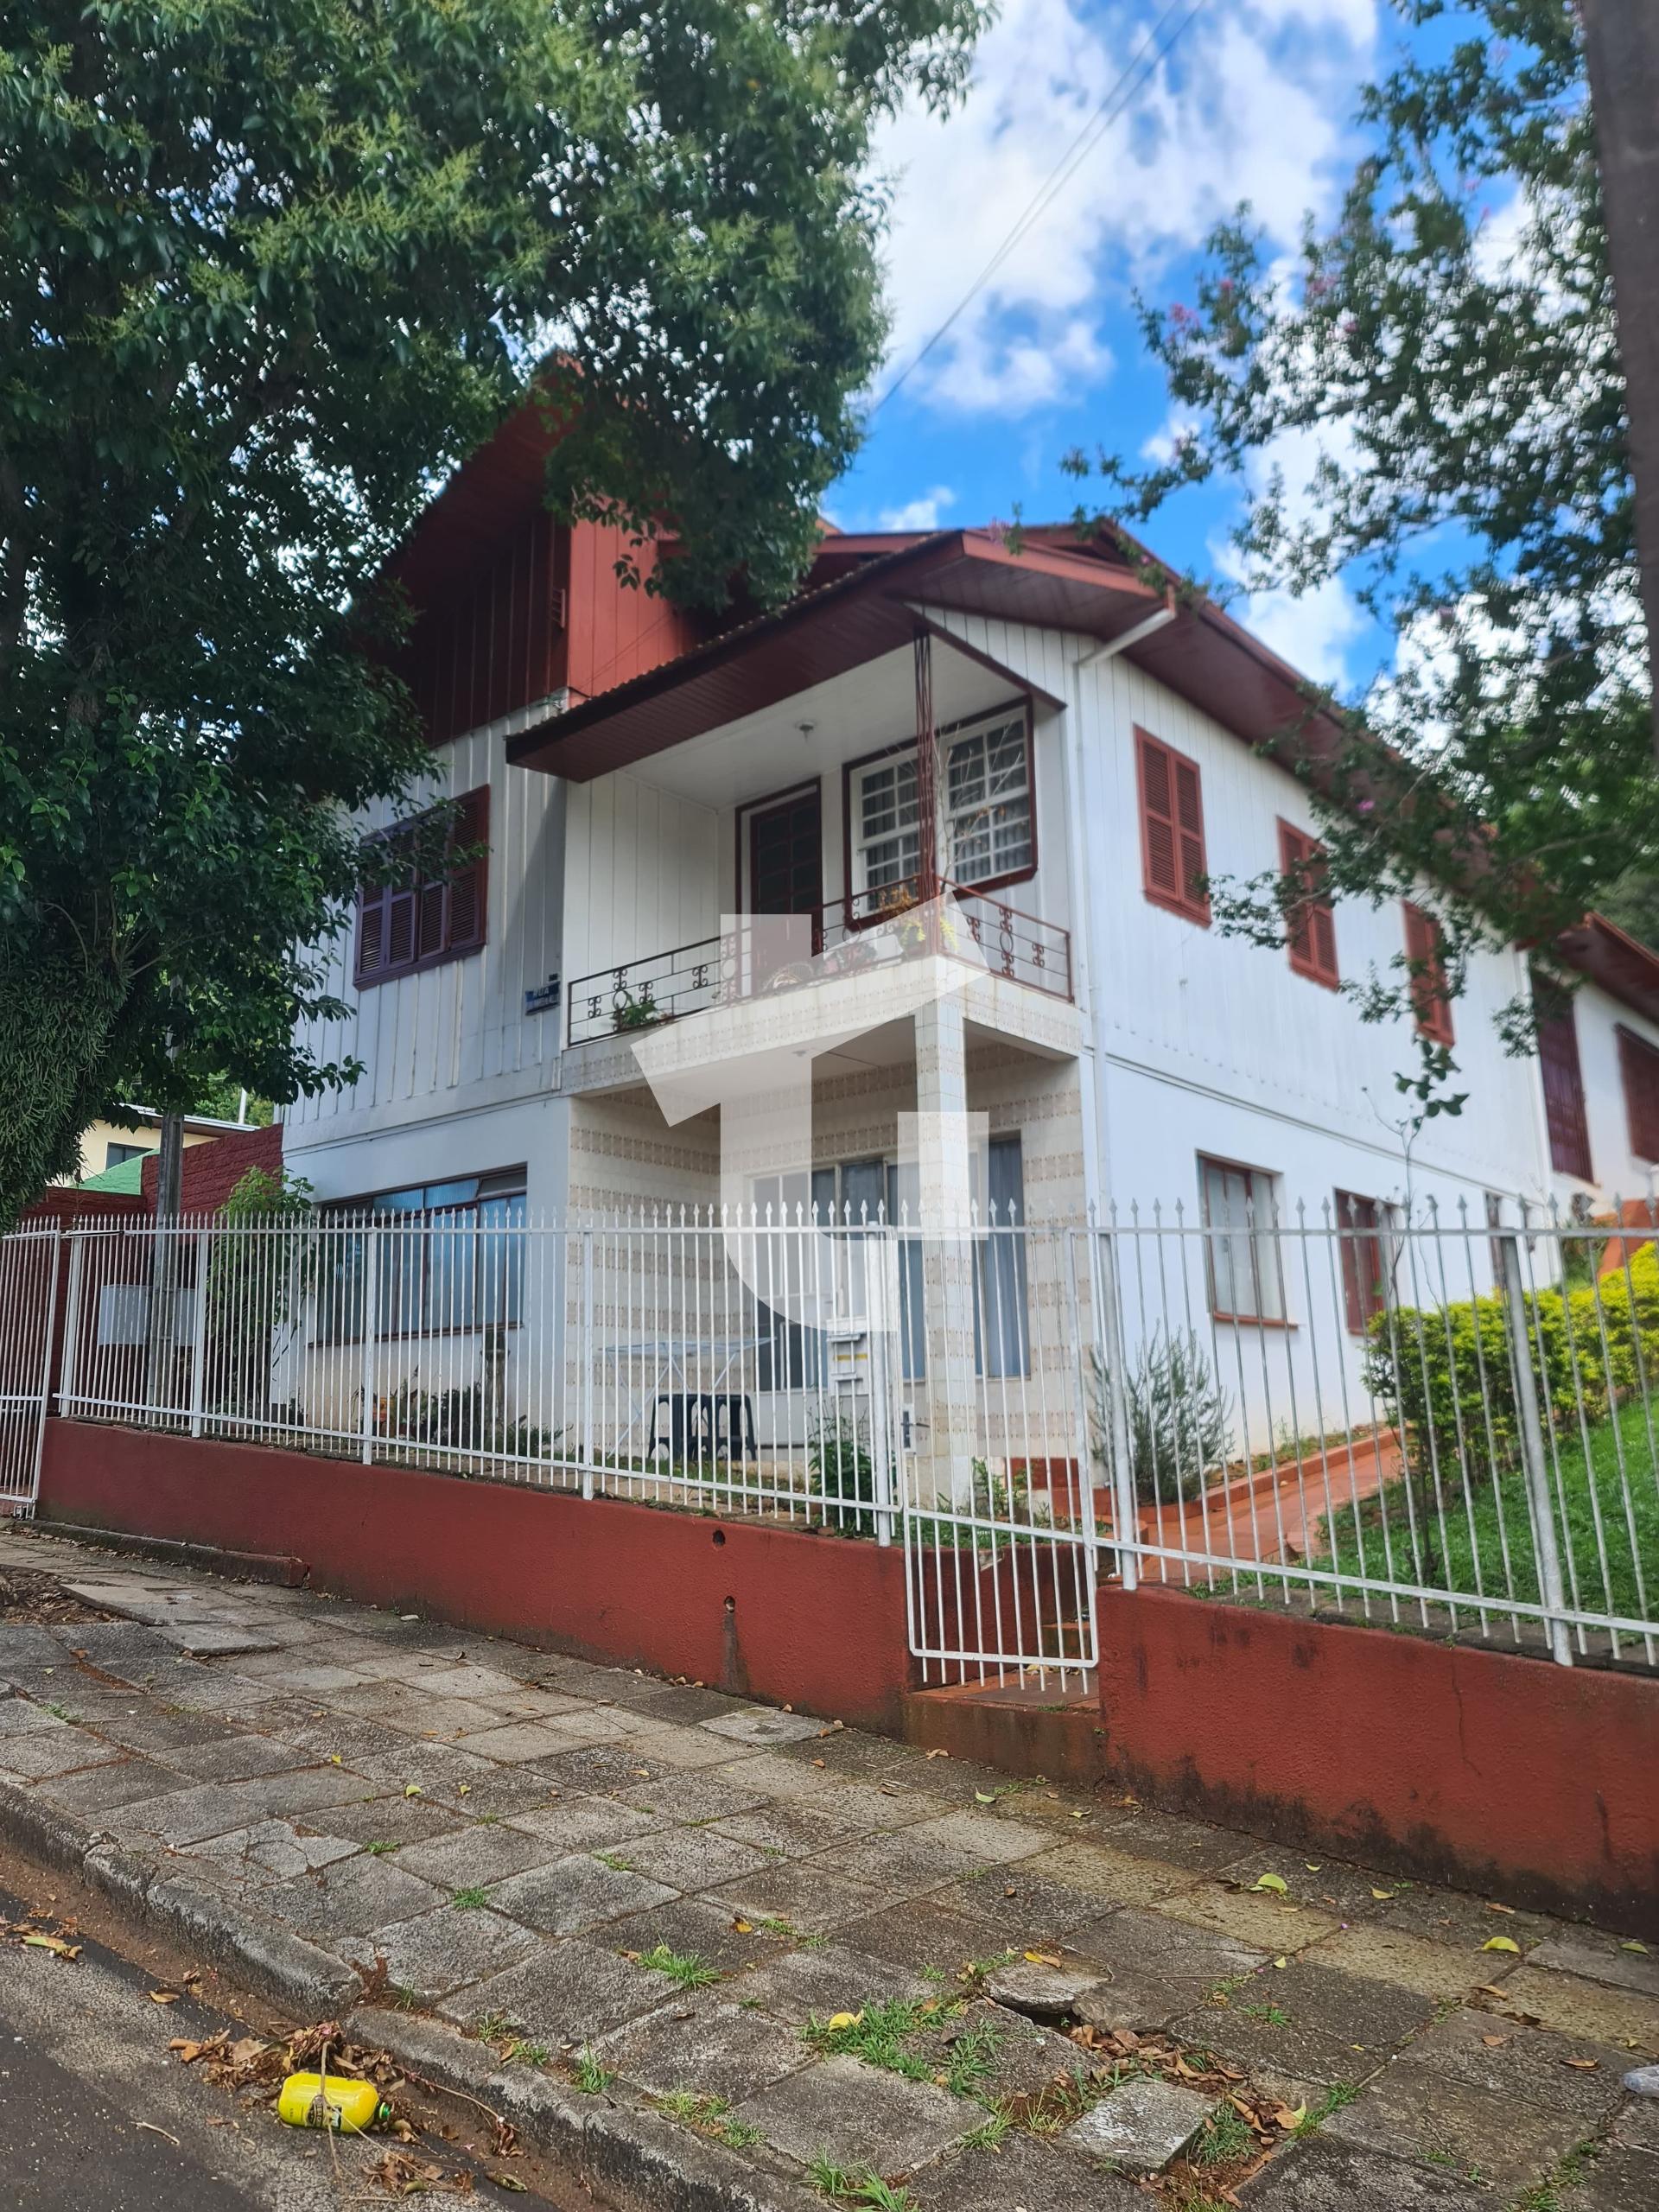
870 608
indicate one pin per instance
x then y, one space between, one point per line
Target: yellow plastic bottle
316 2101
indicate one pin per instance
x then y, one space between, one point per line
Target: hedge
1593 1347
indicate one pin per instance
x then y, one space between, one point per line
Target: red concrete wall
1510 1775
813 1621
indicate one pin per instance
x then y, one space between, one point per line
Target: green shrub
842 1473
1448 1378
1179 1417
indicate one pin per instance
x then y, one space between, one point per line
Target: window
1434 1007
1363 1227
1001 1322
1563 1079
1311 923
1172 829
445 1259
114 1155
1638 1064
418 918
1241 1219
985 808
989 833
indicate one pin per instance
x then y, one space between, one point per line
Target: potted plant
635 1013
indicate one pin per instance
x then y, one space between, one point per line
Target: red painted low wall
1510 1775
813 1621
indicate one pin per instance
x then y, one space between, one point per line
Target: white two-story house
1090 751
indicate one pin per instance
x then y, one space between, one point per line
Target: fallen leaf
1495 2043
411 1790
1276 1883
1641 1949
845 2019
1492 1905
1382 1896
510 2181
189 2052
1313 1865
163 1996
1288 2117
1042 1958
984 1797
55 1944
744 1926
463 1790
1502 1944
1280 1964
334 1759
1582 2065
939 1754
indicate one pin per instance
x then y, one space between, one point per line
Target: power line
1153 49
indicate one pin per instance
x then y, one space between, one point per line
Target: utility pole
1621 46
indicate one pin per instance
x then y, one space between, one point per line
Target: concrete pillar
945 1159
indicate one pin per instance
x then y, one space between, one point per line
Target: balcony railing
659 987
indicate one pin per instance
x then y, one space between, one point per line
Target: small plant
989 2137
490 2027
842 1473
972 2060
1226 2139
1335 2098
709 2116
591 2078
859 2185
1274 2015
685 1968
614 1860
1178 1417
379 1848
630 1011
469 1900
528 2054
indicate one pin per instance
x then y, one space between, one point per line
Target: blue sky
1255 103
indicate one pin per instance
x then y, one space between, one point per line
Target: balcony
848 937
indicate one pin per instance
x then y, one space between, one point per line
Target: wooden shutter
468 886
1638 1064
1563 1080
1428 980
1311 925
1172 829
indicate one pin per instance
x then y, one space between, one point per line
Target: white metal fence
1441 1423
29 1282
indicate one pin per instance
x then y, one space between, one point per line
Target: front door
787 859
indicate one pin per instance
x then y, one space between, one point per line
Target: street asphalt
97 2116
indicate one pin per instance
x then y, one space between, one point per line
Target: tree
1447 353
264 271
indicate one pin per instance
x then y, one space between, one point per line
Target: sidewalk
811 1956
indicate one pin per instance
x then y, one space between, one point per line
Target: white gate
29 1287
998 1473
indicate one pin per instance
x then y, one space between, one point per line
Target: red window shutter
1638 1064
1172 829
1434 1008
469 884
1311 925
1563 1081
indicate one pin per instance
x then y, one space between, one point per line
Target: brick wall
213 1171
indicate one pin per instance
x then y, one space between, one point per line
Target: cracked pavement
656 1889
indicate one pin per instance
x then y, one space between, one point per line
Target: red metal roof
1618 961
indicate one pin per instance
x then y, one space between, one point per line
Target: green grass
378 1847
859 2185
614 1860
469 1900
1226 2139
709 2116
1335 2098
881 2034
1476 1532
685 1968
528 2054
591 2078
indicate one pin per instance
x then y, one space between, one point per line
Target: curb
274 1961
632 2159
280 1567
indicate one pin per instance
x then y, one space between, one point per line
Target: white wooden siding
642 872
1598 1017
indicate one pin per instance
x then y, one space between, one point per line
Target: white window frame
1243 1277
954 820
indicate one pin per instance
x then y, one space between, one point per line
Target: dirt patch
27 1594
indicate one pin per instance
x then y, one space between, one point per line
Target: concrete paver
505 1836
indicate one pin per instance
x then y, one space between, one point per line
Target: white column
945 1170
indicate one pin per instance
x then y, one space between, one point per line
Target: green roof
125 1175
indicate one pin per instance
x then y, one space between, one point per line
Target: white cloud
923 513
1252 104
